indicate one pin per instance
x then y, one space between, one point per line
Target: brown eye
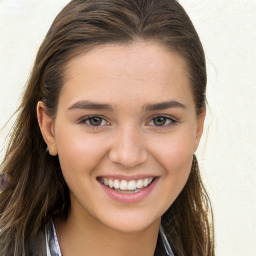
159 120
94 121
162 121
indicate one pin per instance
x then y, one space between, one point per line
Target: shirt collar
53 247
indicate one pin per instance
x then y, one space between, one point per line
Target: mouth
127 186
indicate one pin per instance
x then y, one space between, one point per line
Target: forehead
147 56
137 70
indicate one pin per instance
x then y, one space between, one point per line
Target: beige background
227 160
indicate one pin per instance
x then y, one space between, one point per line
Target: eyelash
86 120
171 121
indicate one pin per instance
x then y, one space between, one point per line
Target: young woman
101 158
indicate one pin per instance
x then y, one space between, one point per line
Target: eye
162 121
94 121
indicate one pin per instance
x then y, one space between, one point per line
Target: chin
131 223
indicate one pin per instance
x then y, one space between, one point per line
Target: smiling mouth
125 186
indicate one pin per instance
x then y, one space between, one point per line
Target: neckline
53 247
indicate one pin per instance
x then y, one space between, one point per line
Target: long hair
36 189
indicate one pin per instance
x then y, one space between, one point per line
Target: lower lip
129 197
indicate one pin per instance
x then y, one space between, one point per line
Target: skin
130 79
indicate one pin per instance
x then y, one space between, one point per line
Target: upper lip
125 177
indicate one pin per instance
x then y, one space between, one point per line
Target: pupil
95 121
159 121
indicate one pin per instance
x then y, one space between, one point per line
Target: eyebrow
164 105
86 104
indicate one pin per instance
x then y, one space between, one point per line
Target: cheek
178 158
175 155
175 150
78 152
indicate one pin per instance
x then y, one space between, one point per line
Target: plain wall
227 151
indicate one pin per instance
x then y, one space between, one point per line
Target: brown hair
36 189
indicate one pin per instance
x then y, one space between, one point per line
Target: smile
127 186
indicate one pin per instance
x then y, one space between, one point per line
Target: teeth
132 185
105 181
111 183
126 186
116 184
145 182
139 184
123 185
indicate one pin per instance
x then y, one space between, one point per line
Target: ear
47 128
200 126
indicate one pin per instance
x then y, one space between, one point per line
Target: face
125 133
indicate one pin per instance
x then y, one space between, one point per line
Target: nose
128 148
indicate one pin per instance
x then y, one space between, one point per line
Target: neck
86 236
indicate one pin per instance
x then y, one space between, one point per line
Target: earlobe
200 126
47 128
